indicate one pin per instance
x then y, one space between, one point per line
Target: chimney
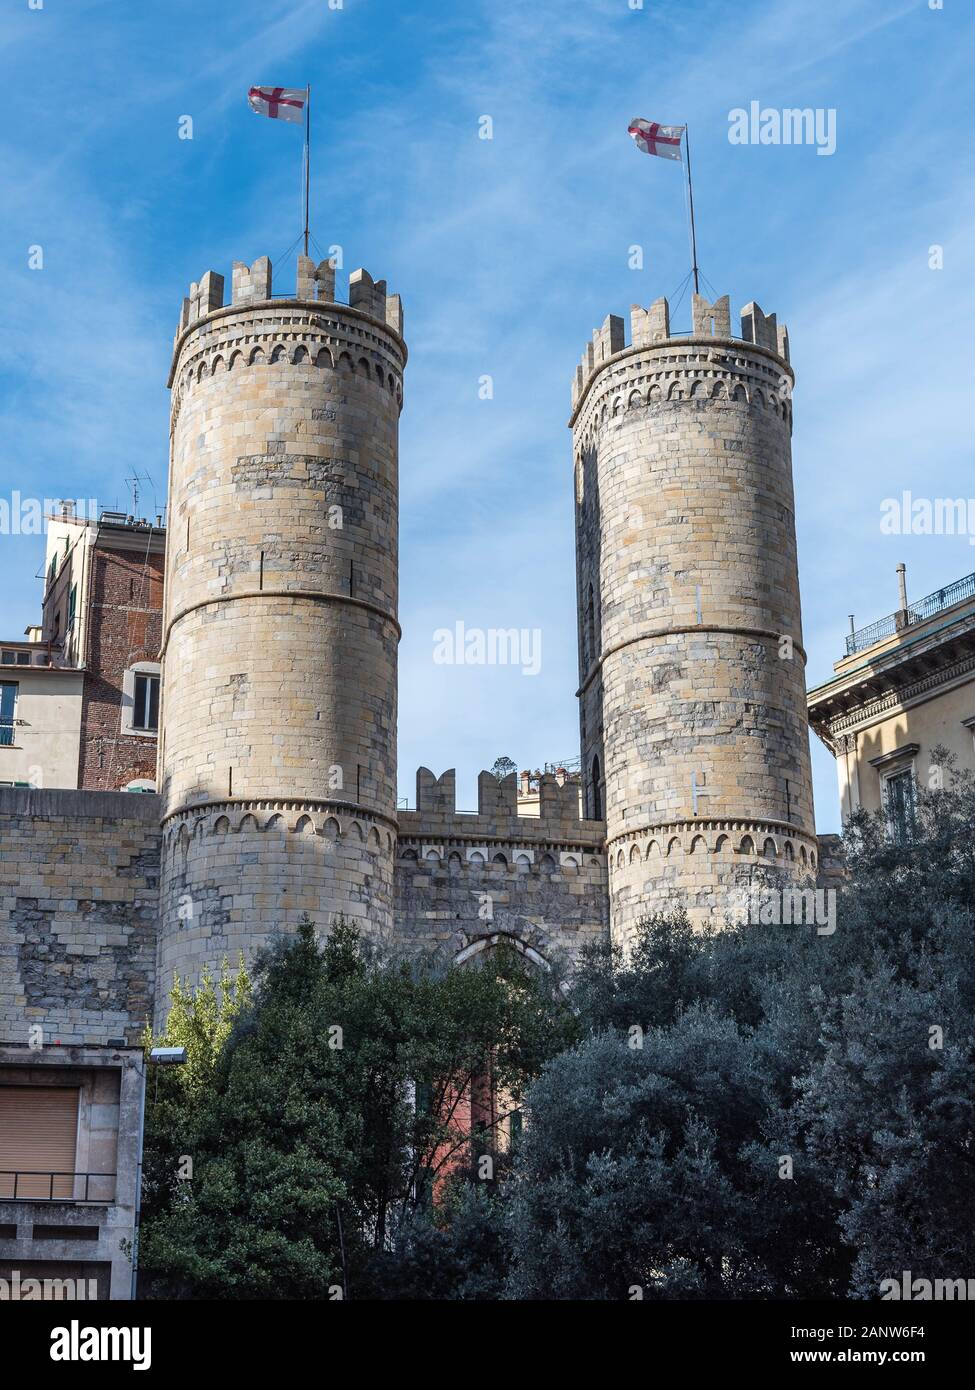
902 618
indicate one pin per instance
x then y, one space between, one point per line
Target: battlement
464 881
497 816
649 327
252 284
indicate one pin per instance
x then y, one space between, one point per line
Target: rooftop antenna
134 482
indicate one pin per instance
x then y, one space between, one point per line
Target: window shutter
38 1128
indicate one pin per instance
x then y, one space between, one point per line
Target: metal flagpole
307 157
690 196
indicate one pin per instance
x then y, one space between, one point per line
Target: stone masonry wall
693 714
79 900
464 881
278 749
237 874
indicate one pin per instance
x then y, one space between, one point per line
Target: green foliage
309 1153
759 1112
660 1166
458 1249
200 1021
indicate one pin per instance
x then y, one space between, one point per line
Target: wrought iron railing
915 613
573 764
28 1185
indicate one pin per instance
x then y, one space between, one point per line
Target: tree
887 1104
200 1021
310 1150
762 1111
795 1118
258 1216
649 1169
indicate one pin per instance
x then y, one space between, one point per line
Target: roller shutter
38 1129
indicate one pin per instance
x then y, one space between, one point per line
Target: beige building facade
40 717
905 687
70 1141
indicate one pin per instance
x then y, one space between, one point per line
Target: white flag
280 103
652 138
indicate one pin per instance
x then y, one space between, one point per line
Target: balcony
36 1186
915 613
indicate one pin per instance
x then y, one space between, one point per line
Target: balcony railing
918 612
26 1185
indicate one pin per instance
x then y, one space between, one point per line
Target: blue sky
507 253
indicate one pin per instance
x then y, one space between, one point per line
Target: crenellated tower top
650 327
315 284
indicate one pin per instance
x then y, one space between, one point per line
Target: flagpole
307 157
690 198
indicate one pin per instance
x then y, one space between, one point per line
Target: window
141 694
8 707
899 798
596 791
146 712
72 603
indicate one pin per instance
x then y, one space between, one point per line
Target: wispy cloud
507 253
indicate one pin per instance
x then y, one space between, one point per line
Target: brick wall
125 627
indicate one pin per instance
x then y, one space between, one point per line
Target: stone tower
278 738
692 692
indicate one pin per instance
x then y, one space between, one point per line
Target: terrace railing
27 1185
919 612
